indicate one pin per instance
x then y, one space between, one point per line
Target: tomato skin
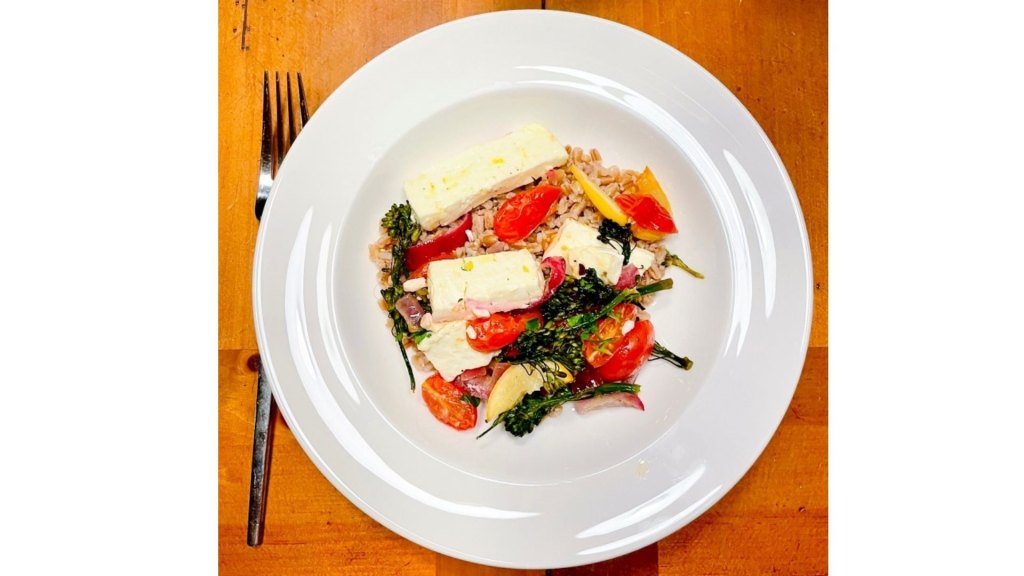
444 400
647 212
634 349
419 255
599 346
499 329
520 214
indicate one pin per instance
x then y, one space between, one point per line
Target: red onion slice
498 368
480 381
411 310
627 278
553 269
627 399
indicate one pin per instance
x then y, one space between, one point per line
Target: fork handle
261 442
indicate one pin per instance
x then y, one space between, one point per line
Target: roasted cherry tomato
631 353
419 255
600 345
646 212
499 329
444 400
520 214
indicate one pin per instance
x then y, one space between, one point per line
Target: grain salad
517 273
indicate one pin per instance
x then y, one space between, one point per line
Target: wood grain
639 563
452 567
772 54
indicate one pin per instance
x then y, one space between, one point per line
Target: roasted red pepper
420 254
646 213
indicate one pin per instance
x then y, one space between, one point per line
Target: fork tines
284 144
274 146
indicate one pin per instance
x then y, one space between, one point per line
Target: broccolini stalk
524 417
552 342
567 320
404 232
627 295
673 260
577 295
662 353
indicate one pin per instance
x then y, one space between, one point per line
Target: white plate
580 489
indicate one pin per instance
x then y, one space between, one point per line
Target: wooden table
771 54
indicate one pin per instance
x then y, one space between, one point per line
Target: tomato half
646 212
634 349
599 346
520 214
499 329
444 400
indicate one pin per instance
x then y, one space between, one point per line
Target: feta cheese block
446 191
577 243
642 259
448 350
480 285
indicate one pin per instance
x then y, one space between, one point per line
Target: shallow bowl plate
580 489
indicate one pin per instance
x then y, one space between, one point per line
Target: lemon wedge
518 381
604 203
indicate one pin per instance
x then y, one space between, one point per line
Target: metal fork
272 151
